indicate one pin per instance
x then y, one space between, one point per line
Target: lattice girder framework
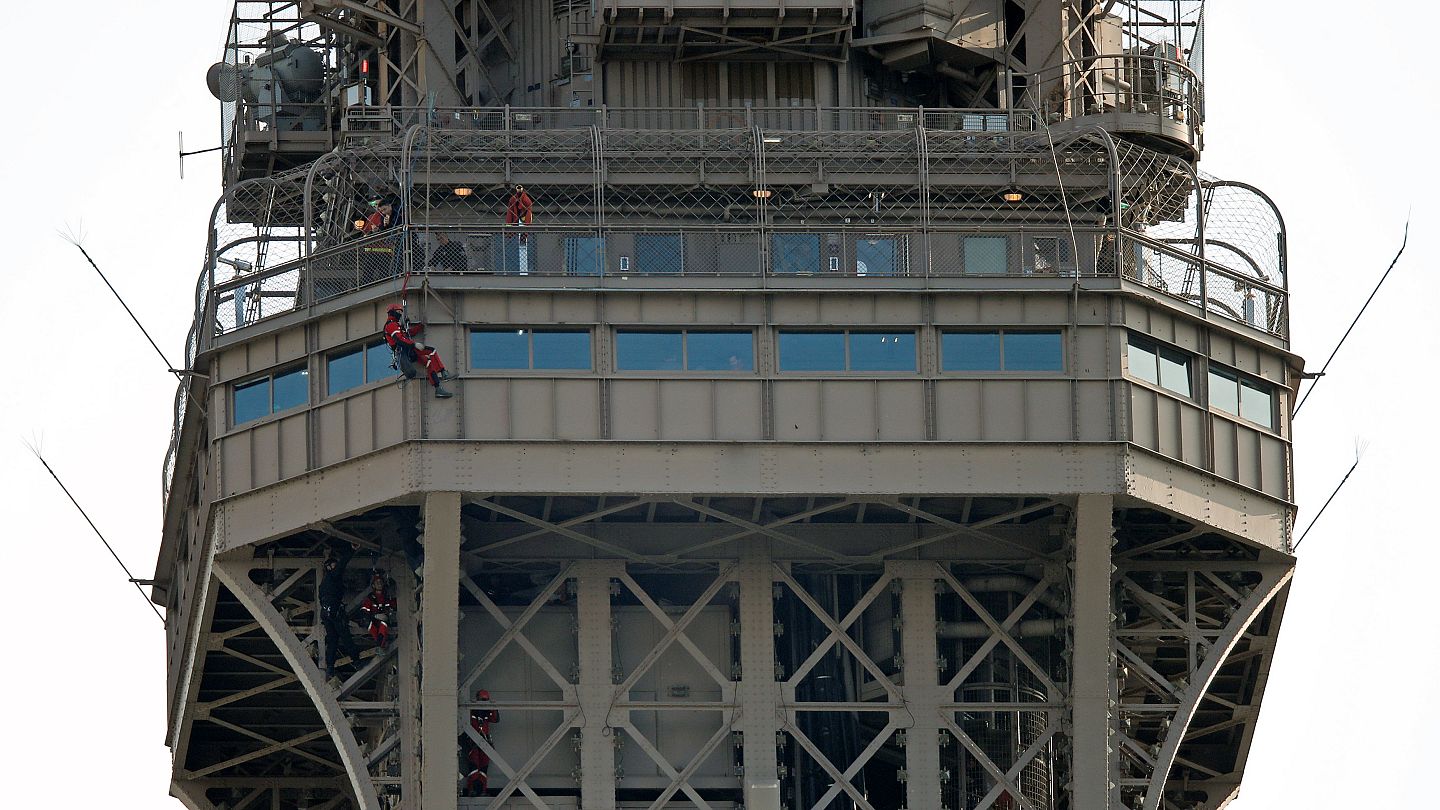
932 632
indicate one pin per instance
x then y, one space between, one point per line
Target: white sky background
1329 107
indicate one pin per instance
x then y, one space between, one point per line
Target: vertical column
439 673
407 618
1092 737
758 692
597 683
922 682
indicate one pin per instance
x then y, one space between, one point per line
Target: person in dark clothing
449 256
333 615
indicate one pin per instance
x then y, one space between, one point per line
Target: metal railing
1125 83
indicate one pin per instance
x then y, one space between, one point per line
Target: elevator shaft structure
859 404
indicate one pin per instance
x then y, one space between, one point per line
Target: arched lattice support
236 576
1275 578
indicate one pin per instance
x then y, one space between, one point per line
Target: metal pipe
1030 628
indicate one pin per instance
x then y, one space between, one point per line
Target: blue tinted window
812 351
1257 403
1142 363
344 371
970 351
562 350
509 348
377 362
584 255
985 255
719 351
870 351
1033 351
795 253
648 351
1175 372
252 400
291 389
1224 392
876 256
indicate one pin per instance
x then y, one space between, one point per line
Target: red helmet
395 309
482 695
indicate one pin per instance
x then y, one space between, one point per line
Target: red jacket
521 210
397 335
378 607
480 720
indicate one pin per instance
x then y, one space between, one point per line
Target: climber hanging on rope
409 352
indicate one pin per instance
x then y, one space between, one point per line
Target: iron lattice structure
1043 579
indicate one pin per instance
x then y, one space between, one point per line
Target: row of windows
672 350
1230 391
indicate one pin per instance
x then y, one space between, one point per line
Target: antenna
184 154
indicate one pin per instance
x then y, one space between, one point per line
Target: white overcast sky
1329 108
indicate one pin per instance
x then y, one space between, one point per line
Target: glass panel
986 255
1175 372
344 371
812 351
795 253
875 256
1224 392
1033 351
507 349
720 351
970 351
1142 364
882 352
647 351
584 255
567 351
252 400
1257 404
291 389
377 362
658 253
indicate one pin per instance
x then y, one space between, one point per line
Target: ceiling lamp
1012 195
464 191
761 193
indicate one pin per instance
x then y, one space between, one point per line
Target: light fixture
761 193
359 224
463 191
1012 195
771 139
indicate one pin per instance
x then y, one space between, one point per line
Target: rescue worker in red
402 340
379 606
520 210
477 781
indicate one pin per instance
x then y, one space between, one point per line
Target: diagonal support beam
512 632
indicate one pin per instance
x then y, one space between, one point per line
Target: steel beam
923 691
235 574
597 683
1094 752
439 650
758 693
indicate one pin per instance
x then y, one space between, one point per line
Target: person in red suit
477 781
402 341
379 607
520 210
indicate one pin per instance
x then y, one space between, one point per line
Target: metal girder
512 630
1275 578
839 632
235 574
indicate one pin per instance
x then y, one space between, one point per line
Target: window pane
882 352
252 400
1257 404
1175 373
647 351
377 362
795 253
584 255
720 351
876 256
970 351
1224 392
507 349
344 371
292 388
812 351
1142 364
1033 351
562 350
986 255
